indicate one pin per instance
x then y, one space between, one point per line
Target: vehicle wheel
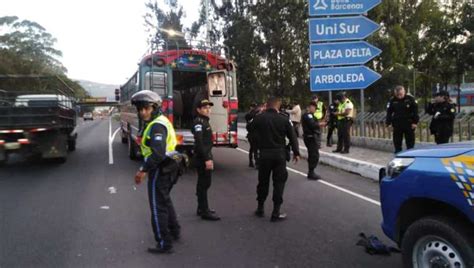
438 242
132 149
60 160
71 145
4 161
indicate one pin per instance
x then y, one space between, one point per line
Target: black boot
313 176
276 215
199 211
209 216
260 210
161 250
251 164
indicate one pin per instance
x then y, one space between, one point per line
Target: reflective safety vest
341 108
319 110
171 140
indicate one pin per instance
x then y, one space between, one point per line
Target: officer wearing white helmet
158 147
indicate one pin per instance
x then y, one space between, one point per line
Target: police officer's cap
340 96
442 93
205 102
146 97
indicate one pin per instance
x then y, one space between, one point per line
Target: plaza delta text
331 54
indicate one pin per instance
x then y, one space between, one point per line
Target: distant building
467 96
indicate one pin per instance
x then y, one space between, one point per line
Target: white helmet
146 97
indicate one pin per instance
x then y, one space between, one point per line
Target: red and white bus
182 78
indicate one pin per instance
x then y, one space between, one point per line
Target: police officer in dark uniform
443 112
251 137
332 121
203 158
272 128
402 115
158 148
312 139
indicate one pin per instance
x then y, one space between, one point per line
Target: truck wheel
132 149
4 161
71 145
438 242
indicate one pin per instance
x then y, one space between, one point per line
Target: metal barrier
374 127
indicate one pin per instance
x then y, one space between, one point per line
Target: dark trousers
312 145
163 216
443 134
253 151
344 134
276 167
203 184
296 127
331 127
403 131
440 139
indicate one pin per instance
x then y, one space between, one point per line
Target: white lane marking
370 200
112 190
111 141
105 207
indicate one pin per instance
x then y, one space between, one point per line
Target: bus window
217 84
156 81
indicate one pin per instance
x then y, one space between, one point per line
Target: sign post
337 65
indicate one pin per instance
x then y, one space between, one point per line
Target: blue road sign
341 28
342 53
342 78
346 7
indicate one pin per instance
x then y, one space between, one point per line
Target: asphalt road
67 215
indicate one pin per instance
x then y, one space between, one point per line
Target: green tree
24 42
165 27
26 48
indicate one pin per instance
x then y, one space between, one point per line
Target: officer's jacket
272 128
310 126
332 109
250 116
320 112
447 113
157 143
402 111
202 138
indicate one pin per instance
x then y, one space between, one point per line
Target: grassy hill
98 89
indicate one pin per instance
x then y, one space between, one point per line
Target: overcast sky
101 40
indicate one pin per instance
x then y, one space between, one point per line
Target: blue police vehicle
427 200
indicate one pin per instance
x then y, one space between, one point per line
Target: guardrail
374 127
374 124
